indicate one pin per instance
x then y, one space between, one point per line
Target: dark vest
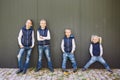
27 37
68 44
96 49
43 32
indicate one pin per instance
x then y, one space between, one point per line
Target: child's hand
41 37
21 46
91 55
72 52
31 46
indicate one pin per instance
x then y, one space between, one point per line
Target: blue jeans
20 55
72 59
46 50
99 59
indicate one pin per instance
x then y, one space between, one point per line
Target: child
26 43
43 37
96 52
68 48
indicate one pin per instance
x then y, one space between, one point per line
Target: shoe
24 72
110 71
37 69
19 71
64 70
75 70
52 70
66 73
83 69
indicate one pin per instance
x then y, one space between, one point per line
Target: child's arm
19 39
91 49
48 36
33 39
101 50
62 46
73 46
38 37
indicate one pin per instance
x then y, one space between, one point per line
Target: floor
45 74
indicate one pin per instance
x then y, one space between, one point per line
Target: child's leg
64 61
101 60
72 58
20 54
91 61
47 53
40 50
27 59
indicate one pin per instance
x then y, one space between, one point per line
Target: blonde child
96 52
68 48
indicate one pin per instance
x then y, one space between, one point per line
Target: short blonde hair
100 38
68 29
43 20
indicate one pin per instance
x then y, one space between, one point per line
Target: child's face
28 24
95 39
67 32
43 24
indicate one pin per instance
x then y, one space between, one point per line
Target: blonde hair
100 38
43 20
68 29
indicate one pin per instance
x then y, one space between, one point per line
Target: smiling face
67 32
28 24
43 24
95 39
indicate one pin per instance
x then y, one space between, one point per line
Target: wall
84 17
